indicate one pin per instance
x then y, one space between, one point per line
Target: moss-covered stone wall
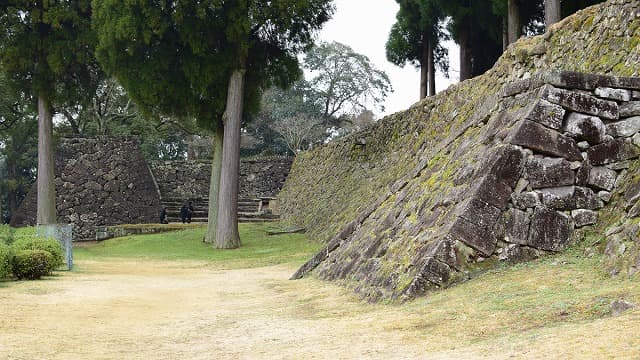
387 200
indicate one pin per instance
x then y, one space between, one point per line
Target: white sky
364 25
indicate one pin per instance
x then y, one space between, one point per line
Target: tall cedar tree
416 38
209 59
47 52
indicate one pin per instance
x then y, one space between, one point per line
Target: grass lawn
258 249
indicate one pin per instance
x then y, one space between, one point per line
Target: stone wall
502 167
183 180
102 181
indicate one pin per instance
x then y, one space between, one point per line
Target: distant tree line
481 28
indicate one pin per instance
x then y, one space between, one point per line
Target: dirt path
187 310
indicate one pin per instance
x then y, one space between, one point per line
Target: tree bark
227 235
424 67
464 40
431 69
551 12
513 21
214 185
46 213
505 35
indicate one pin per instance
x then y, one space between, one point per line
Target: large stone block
631 108
602 178
584 217
580 102
585 198
506 164
435 271
479 212
477 237
548 172
612 151
525 200
544 140
549 230
624 128
559 198
584 81
514 253
492 191
516 226
613 93
585 127
545 113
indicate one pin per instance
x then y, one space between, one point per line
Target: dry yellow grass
124 309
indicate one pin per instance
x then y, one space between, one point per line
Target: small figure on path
185 213
164 219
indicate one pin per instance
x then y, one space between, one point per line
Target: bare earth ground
120 309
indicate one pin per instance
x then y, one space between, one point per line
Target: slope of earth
385 200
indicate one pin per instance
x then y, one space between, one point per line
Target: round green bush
5 260
49 245
32 264
7 234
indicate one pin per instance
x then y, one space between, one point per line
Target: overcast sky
364 25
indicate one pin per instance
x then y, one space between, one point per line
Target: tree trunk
431 69
505 35
424 68
513 21
46 213
227 236
464 40
551 12
214 185
1 202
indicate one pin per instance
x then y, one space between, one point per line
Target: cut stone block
547 172
612 151
624 128
525 200
585 127
631 108
613 93
585 198
477 237
602 178
479 212
494 192
514 253
577 80
559 198
544 140
545 113
604 196
549 230
582 103
584 217
506 164
435 271
516 226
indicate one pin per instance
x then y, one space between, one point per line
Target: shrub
7 234
32 264
5 260
50 245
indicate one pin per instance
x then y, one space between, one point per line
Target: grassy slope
257 249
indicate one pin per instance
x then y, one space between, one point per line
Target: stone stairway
249 210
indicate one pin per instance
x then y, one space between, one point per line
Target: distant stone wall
103 181
183 180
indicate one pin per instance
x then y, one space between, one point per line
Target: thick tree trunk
227 236
505 35
513 21
424 69
431 69
551 12
214 185
464 40
46 213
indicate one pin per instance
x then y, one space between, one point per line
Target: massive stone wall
101 181
494 168
184 180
